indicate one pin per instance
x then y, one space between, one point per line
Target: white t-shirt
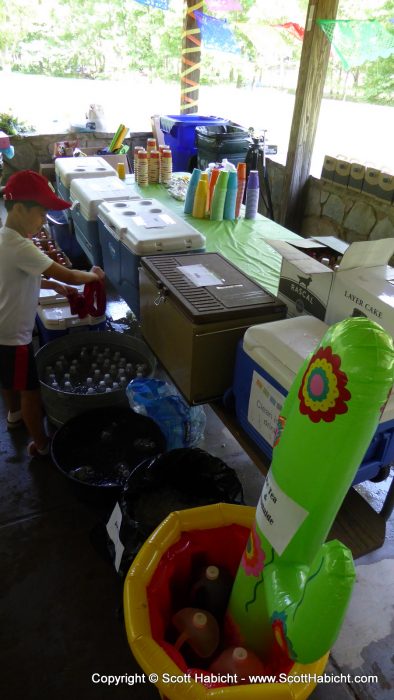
21 266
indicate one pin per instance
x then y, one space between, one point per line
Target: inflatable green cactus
291 585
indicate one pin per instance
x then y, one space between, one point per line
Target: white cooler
268 359
136 229
66 169
55 321
86 194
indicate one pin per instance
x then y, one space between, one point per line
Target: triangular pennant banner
216 34
357 41
295 29
223 5
161 4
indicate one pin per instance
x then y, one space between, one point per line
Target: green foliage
12 126
98 39
378 80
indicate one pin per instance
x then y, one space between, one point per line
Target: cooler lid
210 288
90 192
59 317
89 166
48 297
290 340
146 226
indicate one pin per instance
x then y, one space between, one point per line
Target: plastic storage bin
62 230
66 169
128 230
268 359
179 134
86 194
220 141
55 321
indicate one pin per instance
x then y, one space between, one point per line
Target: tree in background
379 75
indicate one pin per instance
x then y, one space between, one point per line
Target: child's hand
98 272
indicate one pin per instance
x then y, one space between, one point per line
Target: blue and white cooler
54 318
268 359
129 230
86 194
66 169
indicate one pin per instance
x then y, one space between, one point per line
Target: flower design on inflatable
279 628
279 430
323 393
253 557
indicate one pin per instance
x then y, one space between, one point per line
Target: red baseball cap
29 186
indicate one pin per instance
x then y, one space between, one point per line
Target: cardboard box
342 172
364 284
328 169
305 283
371 180
356 177
386 186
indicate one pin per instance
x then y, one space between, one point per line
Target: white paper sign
277 515
265 405
113 529
200 275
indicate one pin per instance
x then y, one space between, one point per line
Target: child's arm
64 274
63 289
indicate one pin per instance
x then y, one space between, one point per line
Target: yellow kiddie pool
156 587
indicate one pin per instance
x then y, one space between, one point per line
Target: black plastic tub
98 450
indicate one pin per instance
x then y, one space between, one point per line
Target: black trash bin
220 141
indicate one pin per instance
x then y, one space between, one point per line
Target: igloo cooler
129 230
267 361
54 321
194 310
66 169
86 194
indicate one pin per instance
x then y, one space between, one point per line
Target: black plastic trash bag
179 479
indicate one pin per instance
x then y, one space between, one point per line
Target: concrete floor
61 619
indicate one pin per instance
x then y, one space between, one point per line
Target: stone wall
334 210
351 216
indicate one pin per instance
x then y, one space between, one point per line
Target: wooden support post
311 79
191 58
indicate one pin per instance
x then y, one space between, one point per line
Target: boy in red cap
28 196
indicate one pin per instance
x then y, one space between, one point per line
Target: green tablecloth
242 242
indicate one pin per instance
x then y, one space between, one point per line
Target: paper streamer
216 33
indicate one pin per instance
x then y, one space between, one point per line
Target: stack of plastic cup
219 196
142 169
241 172
191 191
200 197
166 166
231 197
135 160
153 167
151 145
252 195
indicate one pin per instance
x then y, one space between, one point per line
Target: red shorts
18 369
